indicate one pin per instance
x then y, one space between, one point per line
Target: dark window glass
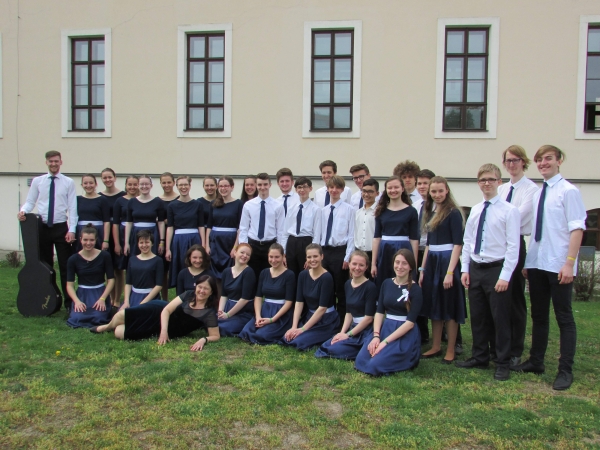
87 84
592 81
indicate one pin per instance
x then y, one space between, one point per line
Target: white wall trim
181 79
584 23
492 88
356 78
1 116
65 52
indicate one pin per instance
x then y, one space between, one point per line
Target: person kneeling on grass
184 314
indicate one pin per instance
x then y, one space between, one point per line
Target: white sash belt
186 231
277 302
124 224
398 318
141 291
329 310
229 230
441 248
394 238
144 224
358 319
91 287
96 223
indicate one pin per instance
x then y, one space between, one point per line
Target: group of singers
357 276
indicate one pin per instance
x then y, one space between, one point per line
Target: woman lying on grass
184 314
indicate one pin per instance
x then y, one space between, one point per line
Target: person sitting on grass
144 278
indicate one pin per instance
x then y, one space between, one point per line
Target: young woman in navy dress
185 227
144 273
315 289
273 317
167 183
223 227
443 293
118 232
396 227
249 190
145 212
91 302
236 306
361 301
209 184
93 209
197 263
395 344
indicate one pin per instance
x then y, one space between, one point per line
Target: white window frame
492 87
584 23
356 78
66 81
182 32
1 116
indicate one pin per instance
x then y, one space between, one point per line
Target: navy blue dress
206 205
401 354
315 293
90 277
95 211
145 216
440 303
224 223
120 220
143 275
111 200
185 218
235 289
361 302
185 280
276 292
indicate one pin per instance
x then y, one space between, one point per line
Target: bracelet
376 337
376 333
271 320
302 328
350 334
161 240
571 258
206 341
102 298
421 269
450 273
385 340
227 314
105 241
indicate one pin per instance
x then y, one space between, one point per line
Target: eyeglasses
512 161
302 186
483 181
368 192
358 178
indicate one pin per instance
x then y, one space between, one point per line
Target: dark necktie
509 196
261 221
299 219
329 226
480 228
421 218
540 214
50 220
285 199
360 205
327 199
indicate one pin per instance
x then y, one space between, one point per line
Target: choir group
356 276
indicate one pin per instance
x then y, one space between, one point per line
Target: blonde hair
519 152
489 168
430 220
560 155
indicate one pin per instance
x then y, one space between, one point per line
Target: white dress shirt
364 228
65 199
415 196
418 204
564 212
251 217
500 237
322 191
342 232
311 216
293 200
522 198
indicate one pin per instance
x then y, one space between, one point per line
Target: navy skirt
136 298
179 247
321 331
271 333
133 247
90 317
120 261
347 349
440 303
235 324
401 354
99 240
143 321
221 243
385 259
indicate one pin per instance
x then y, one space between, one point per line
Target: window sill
204 134
440 134
86 134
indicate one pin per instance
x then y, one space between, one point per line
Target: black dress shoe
471 363
563 381
447 361
528 367
515 361
433 355
502 373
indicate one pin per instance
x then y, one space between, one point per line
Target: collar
370 208
307 202
555 179
258 199
58 175
519 183
492 200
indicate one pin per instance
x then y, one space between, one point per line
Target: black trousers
333 262
518 308
490 313
259 260
295 253
49 239
422 321
543 287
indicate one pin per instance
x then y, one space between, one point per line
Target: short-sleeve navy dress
120 220
223 223
240 287
186 281
145 216
185 218
143 275
112 200
94 211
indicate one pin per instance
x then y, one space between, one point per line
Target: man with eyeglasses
360 173
364 220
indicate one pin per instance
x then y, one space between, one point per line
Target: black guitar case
38 292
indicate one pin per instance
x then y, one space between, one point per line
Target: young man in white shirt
489 257
519 192
558 224
328 169
408 171
56 200
288 198
364 220
360 173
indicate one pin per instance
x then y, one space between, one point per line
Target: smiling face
488 183
548 165
203 291
108 179
401 267
132 186
438 192
326 173
210 187
89 185
145 245
394 190
88 241
196 259
285 183
243 254
54 163
358 266
303 191
423 186
368 194
249 186
335 193
514 165
359 177
145 186
225 188
167 184
275 258
313 258
183 186
263 187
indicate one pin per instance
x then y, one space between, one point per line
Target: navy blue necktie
50 221
327 198
261 222
540 214
480 228
285 198
360 205
299 220
509 196
421 218
329 226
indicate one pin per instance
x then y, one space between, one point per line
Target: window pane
322 69
593 67
81 50
215 117
81 119
343 68
97 119
81 95
454 91
216 46
98 74
454 68
477 41
215 94
455 42
341 92
196 117
475 91
98 95
343 43
215 71
197 93
197 46
475 118
322 44
81 74
451 117
592 91
321 117
98 51
322 92
341 117
196 72
594 40
476 69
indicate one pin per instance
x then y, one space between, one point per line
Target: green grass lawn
64 388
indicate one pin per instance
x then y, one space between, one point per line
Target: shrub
588 276
13 259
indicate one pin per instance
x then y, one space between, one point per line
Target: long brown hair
384 200
430 220
220 201
245 197
213 300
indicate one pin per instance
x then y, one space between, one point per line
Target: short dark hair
329 163
303 180
108 169
357 167
284 172
53 153
426 173
372 182
145 234
407 168
263 176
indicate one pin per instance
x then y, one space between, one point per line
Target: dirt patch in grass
595 440
294 440
333 410
348 440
